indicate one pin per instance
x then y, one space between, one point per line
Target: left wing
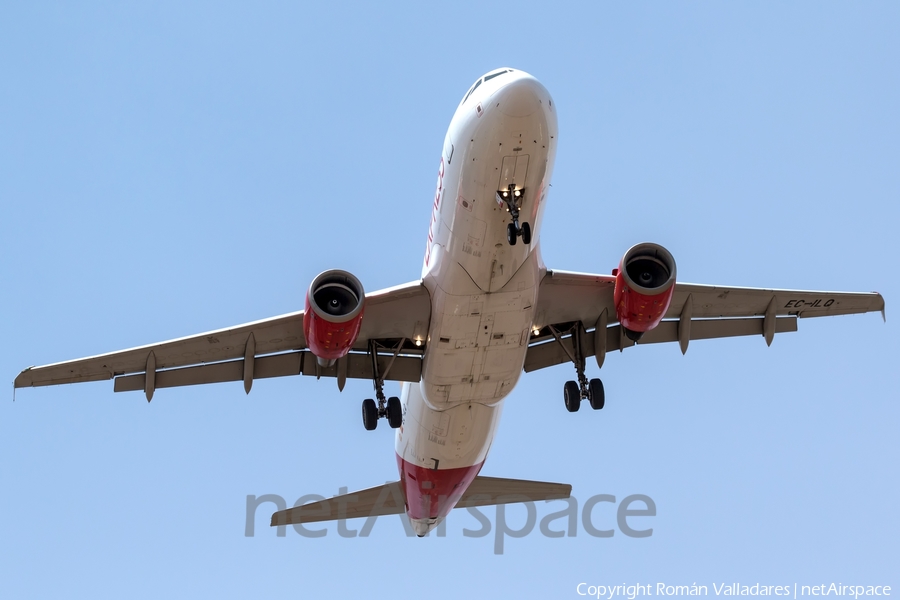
268 348
576 303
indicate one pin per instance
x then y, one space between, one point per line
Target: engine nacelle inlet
645 282
334 312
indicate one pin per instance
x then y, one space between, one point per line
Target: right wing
271 348
575 303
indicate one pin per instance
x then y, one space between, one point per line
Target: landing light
518 193
535 330
418 342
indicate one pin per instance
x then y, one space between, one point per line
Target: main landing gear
575 392
513 199
388 408
583 389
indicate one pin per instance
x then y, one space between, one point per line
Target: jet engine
334 312
645 282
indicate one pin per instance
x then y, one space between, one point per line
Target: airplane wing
570 305
578 309
268 348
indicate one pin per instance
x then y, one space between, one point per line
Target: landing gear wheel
369 414
526 233
394 412
596 394
511 234
572 396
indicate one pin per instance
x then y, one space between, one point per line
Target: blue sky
171 169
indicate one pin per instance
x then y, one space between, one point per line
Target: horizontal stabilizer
487 491
377 501
388 500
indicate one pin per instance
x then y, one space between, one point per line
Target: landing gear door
513 171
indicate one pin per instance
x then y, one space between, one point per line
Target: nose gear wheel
513 198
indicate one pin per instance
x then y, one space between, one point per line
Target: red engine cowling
334 312
645 282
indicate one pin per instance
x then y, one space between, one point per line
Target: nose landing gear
512 198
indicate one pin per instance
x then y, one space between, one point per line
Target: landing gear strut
513 198
388 408
583 389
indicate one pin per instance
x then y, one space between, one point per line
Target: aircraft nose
521 97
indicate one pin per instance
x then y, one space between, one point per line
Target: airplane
485 310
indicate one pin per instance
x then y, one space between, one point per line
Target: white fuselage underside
483 290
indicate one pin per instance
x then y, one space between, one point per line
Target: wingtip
22 379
